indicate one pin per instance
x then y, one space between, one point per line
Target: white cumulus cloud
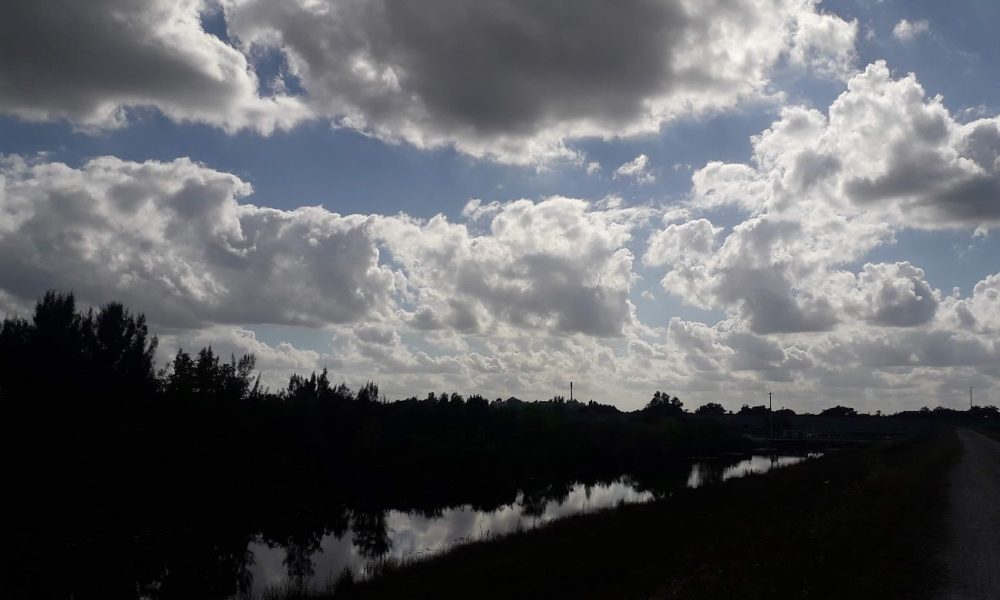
821 192
173 238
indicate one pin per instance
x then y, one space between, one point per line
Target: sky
717 199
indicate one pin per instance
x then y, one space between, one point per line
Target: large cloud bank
174 238
512 297
821 192
89 61
519 296
512 80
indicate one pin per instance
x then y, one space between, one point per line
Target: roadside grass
992 432
857 523
863 524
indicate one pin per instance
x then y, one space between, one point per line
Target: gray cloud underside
88 61
511 301
511 80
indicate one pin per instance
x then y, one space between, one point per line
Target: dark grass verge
991 432
864 524
858 523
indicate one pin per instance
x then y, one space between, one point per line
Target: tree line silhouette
88 379
174 471
105 453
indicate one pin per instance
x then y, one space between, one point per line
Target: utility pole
970 398
770 413
571 391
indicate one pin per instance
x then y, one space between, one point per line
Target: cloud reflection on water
414 534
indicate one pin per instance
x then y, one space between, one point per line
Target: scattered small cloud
972 113
907 30
637 169
475 209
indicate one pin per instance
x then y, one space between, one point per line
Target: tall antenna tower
770 413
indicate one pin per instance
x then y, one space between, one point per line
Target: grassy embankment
858 523
993 432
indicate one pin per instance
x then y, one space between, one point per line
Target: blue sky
659 284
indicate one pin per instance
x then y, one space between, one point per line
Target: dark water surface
183 543
404 534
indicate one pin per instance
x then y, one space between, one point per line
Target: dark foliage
662 405
129 482
710 409
106 454
747 410
839 411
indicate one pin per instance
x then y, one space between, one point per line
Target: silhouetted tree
839 411
122 350
371 533
984 412
67 356
368 393
711 408
663 405
208 379
175 472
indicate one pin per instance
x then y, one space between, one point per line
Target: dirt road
973 554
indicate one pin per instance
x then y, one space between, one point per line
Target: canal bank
861 523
